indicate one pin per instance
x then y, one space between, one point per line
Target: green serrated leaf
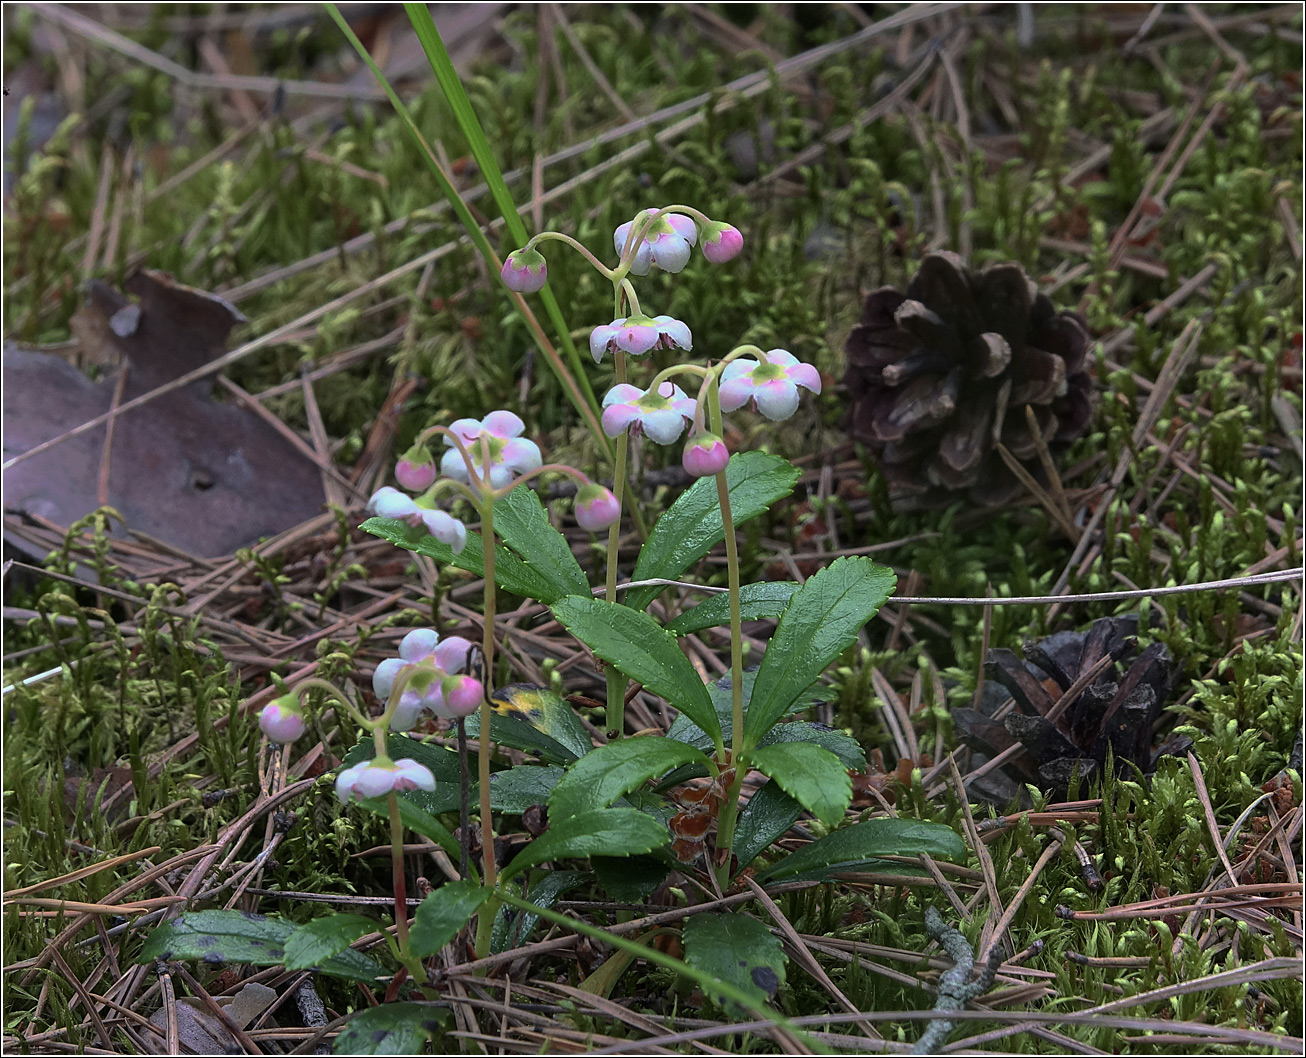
821 621
214 937
606 832
516 789
692 526
510 572
764 820
546 711
391 1028
513 927
598 779
683 729
442 914
523 524
738 950
635 643
854 846
324 937
756 602
810 774
516 733
844 747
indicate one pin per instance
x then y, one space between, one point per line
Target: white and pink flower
660 416
638 335
389 502
666 244
373 779
771 386
509 453
705 454
282 720
596 507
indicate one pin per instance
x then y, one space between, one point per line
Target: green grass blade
436 53
576 385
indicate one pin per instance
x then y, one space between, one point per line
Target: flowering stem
616 682
557 236
464 813
334 692
730 807
397 862
487 648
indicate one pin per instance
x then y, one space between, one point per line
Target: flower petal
391 503
735 393
777 399
671 253
618 417
383 679
521 455
805 375
637 339
683 226
674 333
622 393
504 424
419 644
663 425
453 466
451 654
465 430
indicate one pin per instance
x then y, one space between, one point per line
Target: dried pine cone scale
941 373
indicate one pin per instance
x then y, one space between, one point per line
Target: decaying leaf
204 476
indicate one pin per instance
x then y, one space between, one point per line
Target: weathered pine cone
941 374
1116 712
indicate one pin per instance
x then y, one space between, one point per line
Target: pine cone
940 374
1114 712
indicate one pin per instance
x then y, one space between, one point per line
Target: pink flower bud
705 455
416 469
282 720
596 508
722 242
525 271
462 695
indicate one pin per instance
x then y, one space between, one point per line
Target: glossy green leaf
846 748
391 1028
215 937
516 789
606 832
820 623
691 526
522 523
756 601
510 572
736 949
442 914
324 937
513 927
546 711
810 774
855 846
637 645
764 820
515 733
683 729
598 779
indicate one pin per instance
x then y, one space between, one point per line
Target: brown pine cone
1114 715
940 374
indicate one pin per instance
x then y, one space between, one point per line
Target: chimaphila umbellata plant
671 801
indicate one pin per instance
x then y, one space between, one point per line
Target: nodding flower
376 779
282 720
660 416
525 271
389 502
771 386
638 335
596 508
666 244
509 453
